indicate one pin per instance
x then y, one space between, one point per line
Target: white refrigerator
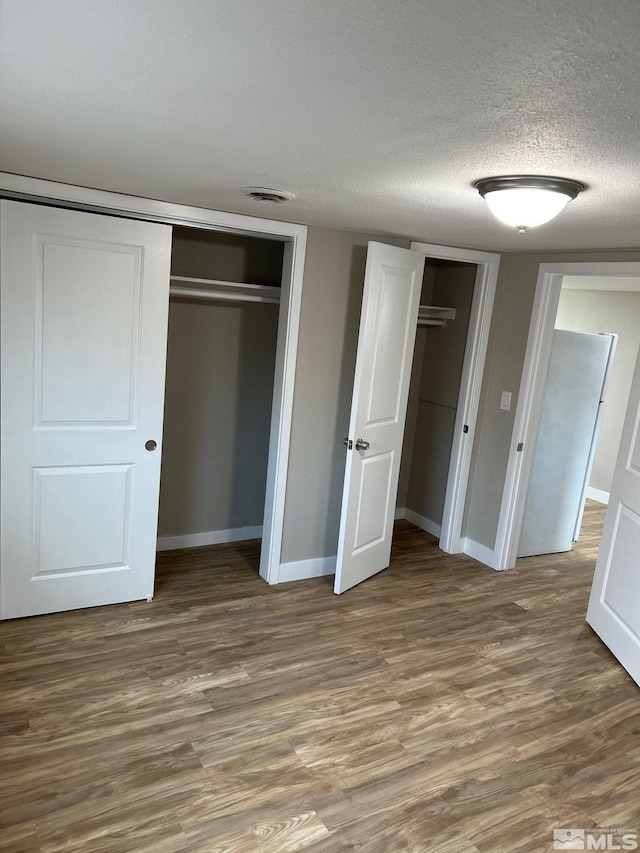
565 445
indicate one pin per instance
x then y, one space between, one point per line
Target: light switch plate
505 401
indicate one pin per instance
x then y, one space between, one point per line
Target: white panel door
84 302
614 605
388 322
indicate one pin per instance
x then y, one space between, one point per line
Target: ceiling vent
265 195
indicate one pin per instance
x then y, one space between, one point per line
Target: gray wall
505 358
330 318
220 369
438 390
606 311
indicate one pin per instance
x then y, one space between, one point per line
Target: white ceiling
377 114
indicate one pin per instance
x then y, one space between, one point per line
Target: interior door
84 301
567 435
393 282
614 605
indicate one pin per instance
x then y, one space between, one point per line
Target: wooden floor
441 706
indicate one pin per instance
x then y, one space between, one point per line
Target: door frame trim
22 188
532 385
488 265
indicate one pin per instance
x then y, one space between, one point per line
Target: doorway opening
390 312
593 353
444 395
434 392
575 297
224 315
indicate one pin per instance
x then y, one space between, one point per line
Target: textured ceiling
377 114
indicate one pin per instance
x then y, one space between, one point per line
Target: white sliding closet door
84 324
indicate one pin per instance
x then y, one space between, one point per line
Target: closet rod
195 293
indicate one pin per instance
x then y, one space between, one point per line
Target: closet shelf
229 291
435 315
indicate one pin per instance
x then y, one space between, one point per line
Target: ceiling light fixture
525 201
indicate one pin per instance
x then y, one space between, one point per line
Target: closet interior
433 393
223 326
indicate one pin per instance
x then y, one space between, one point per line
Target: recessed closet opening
221 354
441 341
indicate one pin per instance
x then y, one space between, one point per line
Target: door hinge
465 428
348 443
520 447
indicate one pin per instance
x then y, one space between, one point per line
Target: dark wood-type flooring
440 706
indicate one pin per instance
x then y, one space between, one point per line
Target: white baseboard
479 552
209 537
469 547
400 512
423 523
304 569
598 495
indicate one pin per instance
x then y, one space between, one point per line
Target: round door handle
150 445
361 444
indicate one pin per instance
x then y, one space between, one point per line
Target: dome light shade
524 201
